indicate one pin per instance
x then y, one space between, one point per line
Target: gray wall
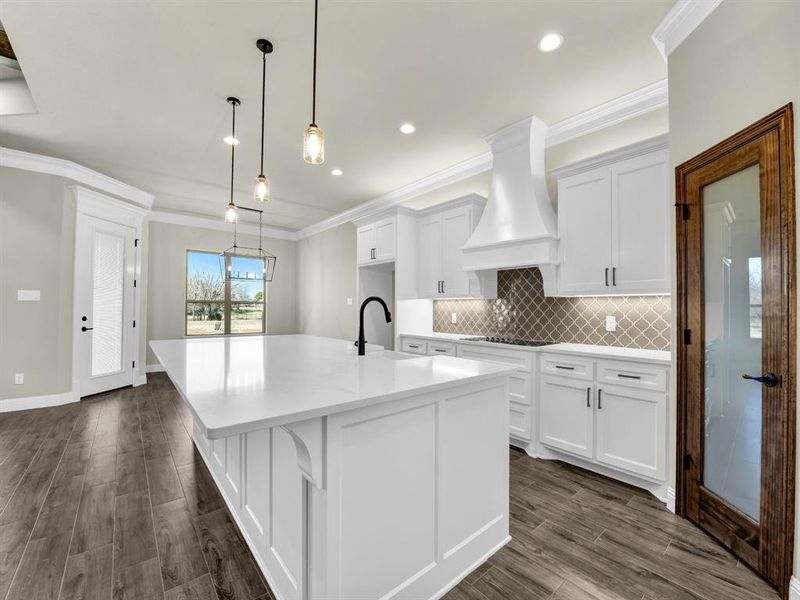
166 282
326 277
36 253
740 64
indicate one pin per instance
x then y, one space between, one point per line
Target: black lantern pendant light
231 215
314 137
261 190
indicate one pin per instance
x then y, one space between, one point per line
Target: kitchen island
352 478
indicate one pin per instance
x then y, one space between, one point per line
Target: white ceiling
136 89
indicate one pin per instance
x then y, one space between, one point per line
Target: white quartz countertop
635 354
239 384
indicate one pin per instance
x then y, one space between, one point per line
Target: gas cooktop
502 340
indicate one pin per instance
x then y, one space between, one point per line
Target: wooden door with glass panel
736 306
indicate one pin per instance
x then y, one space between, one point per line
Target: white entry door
105 266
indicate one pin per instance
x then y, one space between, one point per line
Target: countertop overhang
238 384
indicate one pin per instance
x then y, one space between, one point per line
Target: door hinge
687 337
684 210
687 461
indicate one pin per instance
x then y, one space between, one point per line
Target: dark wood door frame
774 135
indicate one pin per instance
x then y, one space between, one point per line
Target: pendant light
261 190
314 137
231 215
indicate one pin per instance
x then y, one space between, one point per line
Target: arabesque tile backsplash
521 310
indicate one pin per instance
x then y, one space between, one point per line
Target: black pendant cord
314 81
263 103
233 146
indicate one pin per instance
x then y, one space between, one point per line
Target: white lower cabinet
621 425
631 426
566 416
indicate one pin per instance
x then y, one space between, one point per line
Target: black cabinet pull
614 276
86 328
439 350
565 368
599 399
623 376
588 397
606 276
443 286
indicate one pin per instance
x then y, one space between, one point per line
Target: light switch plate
454 317
349 301
611 323
28 295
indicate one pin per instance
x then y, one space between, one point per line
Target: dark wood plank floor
107 498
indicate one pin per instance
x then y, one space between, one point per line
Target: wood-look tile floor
107 498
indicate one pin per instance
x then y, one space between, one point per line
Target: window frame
226 301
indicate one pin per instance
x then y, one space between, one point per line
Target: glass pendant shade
261 190
230 213
314 145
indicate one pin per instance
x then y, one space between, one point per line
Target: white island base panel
397 500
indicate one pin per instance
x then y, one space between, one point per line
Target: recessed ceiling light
230 140
550 42
407 128
336 172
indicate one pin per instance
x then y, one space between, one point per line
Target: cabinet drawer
519 388
521 359
445 348
519 421
415 346
565 365
637 375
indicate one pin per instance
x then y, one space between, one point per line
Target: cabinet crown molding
660 142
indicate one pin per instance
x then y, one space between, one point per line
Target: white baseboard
156 368
794 589
139 380
38 401
671 501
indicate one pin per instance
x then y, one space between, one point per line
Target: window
754 285
216 305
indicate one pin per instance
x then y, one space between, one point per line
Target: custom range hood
518 227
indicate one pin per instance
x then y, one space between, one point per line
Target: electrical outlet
349 301
454 318
19 378
611 323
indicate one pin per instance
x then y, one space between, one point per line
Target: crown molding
457 172
638 102
27 161
654 144
202 222
682 19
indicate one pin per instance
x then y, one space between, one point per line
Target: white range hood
518 227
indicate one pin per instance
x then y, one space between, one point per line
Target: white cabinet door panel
631 426
584 227
519 420
566 415
385 239
430 256
639 226
456 229
365 243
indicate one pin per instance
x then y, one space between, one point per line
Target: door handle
767 379
599 399
86 328
606 276
588 397
443 286
614 276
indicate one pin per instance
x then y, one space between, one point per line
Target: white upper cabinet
443 231
377 242
613 224
584 230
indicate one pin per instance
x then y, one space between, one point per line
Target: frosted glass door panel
732 257
108 281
